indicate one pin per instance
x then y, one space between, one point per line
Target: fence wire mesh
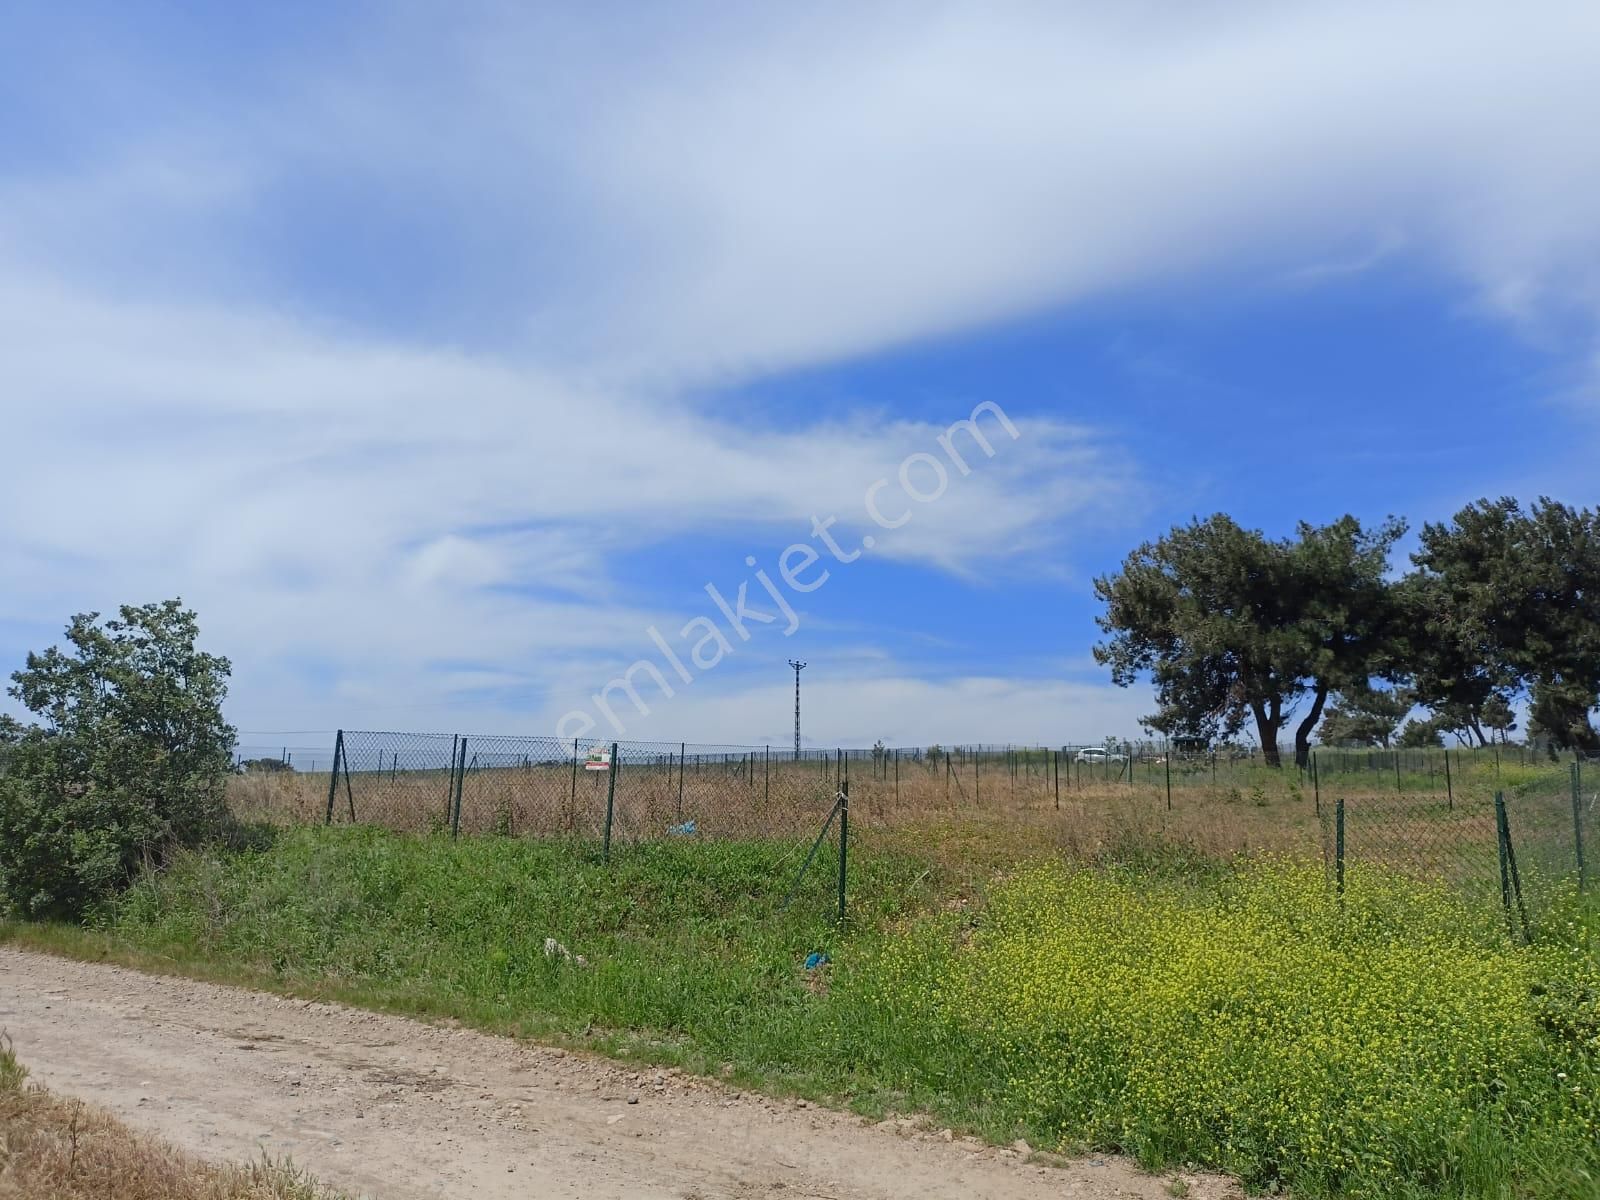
775 811
1526 849
1425 813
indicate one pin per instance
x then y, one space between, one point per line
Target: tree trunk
1267 727
1302 734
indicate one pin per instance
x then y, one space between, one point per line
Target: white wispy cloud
382 351
372 510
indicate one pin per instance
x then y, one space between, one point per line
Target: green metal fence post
1167 758
461 778
1449 783
1511 880
844 843
572 799
333 775
1397 787
1316 784
1338 844
682 748
975 785
1577 826
611 802
1055 759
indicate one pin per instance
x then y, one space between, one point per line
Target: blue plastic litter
684 830
816 959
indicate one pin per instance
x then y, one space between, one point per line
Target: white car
1099 754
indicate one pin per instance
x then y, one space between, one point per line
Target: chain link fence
599 796
1430 814
1526 849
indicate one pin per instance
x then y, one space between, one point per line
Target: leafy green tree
1232 626
1365 717
1420 734
1559 710
1498 717
1515 603
129 758
1453 663
1196 705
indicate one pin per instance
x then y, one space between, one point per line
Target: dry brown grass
57 1149
959 814
549 800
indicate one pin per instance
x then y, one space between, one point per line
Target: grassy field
55 1149
761 795
1177 1005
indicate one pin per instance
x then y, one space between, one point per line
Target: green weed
1395 1044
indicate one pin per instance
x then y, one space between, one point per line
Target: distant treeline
1502 605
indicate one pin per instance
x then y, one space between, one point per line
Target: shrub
129 759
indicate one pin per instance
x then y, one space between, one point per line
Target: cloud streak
383 345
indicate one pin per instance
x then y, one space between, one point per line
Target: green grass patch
1394 1044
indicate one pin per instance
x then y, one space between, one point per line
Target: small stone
1021 1147
633 1097
947 1135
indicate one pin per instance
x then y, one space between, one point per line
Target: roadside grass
56 1149
1163 1003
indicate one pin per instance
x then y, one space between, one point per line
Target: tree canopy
1513 603
1366 716
1232 627
129 756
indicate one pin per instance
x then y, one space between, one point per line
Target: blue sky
437 354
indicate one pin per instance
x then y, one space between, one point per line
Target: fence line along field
1428 812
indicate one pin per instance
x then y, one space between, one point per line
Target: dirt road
396 1109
